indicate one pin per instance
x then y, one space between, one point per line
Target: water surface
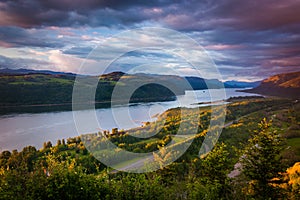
20 130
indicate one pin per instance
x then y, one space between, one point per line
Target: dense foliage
68 170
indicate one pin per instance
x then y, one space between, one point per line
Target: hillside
72 168
42 88
35 87
282 85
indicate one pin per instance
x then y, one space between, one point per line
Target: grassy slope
246 115
185 176
283 85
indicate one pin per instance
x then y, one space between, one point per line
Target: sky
247 40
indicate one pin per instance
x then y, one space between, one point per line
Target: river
20 130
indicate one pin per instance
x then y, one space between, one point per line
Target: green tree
216 165
47 145
58 142
213 182
261 162
4 156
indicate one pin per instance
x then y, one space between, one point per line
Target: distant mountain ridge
28 88
283 85
195 82
22 71
241 84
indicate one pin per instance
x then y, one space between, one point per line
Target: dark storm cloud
94 4
35 13
16 37
181 15
259 15
233 14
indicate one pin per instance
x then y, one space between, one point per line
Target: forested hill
283 85
29 87
42 87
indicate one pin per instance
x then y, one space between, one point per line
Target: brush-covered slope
283 85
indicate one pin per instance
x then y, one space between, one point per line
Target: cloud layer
246 39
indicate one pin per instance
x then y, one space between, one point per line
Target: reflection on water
21 130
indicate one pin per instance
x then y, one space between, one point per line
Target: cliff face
283 85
